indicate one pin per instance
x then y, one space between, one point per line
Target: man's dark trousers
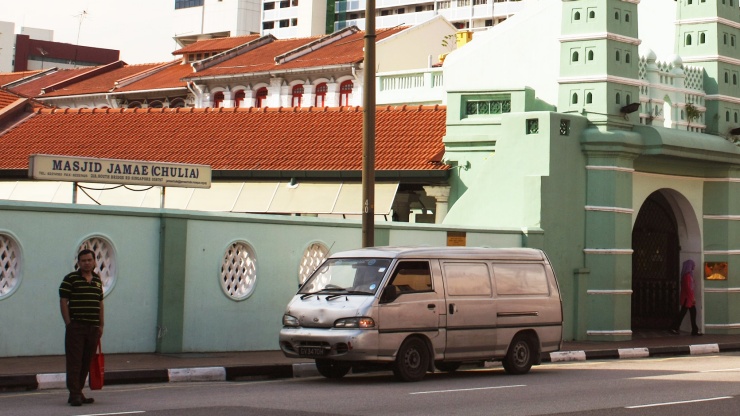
80 343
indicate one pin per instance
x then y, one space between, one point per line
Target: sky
141 29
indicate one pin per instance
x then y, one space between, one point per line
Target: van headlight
290 320
362 322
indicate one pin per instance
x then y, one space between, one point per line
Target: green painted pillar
170 319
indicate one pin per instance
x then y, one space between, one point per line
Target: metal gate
655 262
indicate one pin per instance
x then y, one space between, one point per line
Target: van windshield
359 276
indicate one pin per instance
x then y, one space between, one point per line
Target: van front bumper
331 343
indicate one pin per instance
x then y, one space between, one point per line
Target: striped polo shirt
84 298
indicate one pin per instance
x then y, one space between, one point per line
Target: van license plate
312 351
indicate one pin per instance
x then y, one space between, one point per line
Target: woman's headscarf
688 267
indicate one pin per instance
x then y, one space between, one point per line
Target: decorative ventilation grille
564 127
533 126
488 107
238 271
312 258
105 260
9 266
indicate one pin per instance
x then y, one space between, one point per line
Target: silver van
416 308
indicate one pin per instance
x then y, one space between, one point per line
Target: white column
228 102
308 95
332 94
273 92
442 195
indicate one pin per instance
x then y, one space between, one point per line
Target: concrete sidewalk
47 372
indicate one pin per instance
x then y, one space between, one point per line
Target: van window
520 279
467 279
412 276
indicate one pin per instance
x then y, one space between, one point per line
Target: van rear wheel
520 357
332 368
412 361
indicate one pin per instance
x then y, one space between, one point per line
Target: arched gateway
664 234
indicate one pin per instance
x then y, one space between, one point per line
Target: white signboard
127 172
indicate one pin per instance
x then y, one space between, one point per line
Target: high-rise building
204 19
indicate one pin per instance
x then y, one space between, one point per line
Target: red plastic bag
97 369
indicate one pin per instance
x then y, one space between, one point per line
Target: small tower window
617 56
574 99
619 99
727 116
627 17
577 16
589 98
627 57
575 56
616 15
735 117
724 38
703 38
727 77
592 14
688 39
590 55
734 79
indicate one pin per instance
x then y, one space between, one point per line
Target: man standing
81 302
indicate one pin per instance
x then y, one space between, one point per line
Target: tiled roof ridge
85 75
35 74
355 109
30 100
185 49
120 83
318 43
230 53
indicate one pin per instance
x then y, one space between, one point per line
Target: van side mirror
389 294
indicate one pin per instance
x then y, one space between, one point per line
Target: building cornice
711 58
723 98
600 36
601 78
705 20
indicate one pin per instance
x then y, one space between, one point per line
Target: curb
45 381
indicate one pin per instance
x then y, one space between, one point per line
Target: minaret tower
599 61
708 35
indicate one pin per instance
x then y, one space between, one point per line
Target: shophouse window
345 89
320 99
260 97
297 96
218 98
239 98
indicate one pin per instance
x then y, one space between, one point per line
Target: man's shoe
673 331
83 400
76 402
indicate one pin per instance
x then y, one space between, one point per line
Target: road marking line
719 371
682 402
473 389
117 413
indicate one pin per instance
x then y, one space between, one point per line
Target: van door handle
431 306
452 308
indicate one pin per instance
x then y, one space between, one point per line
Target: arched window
260 97
703 38
616 15
617 56
134 104
345 89
724 38
619 99
218 98
589 98
627 17
239 97
627 58
590 55
577 16
574 100
736 117
297 96
727 116
628 99
734 79
688 39
575 56
320 99
591 14
156 104
727 77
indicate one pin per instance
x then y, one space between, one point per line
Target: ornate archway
655 263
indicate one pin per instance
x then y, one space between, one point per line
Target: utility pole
81 17
368 129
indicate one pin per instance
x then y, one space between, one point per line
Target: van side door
471 310
409 304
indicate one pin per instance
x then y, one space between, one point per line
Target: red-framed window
239 98
260 97
320 99
218 99
345 89
297 96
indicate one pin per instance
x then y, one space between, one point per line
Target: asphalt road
655 386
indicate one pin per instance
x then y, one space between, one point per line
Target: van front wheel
520 357
332 369
412 361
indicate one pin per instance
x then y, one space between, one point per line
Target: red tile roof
100 83
344 50
285 139
33 87
8 97
215 45
8 77
169 76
